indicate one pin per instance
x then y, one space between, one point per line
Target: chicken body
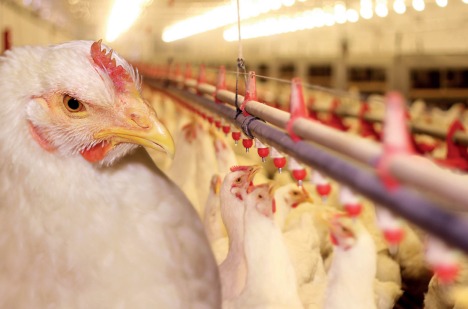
353 267
80 230
233 270
212 221
271 281
303 244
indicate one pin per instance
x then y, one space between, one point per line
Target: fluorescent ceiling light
381 9
221 16
399 6
419 5
123 14
352 15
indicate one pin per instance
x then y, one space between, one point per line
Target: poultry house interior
294 154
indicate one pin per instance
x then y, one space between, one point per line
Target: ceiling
434 31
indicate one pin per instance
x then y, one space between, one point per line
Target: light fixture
381 9
288 3
339 11
399 6
366 10
274 5
220 17
307 19
366 13
329 19
213 19
419 5
123 14
352 15
282 24
320 17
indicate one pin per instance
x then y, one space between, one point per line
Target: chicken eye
72 104
295 193
260 196
238 179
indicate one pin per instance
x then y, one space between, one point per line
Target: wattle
97 152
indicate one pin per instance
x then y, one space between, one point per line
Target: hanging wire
331 91
240 60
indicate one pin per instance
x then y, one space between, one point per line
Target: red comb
117 73
239 168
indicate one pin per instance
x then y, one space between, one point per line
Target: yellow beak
153 135
307 197
254 170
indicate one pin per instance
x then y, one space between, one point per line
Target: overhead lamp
275 5
221 16
288 3
399 6
381 9
366 10
419 5
329 19
442 3
213 19
340 13
352 15
274 25
123 14
318 17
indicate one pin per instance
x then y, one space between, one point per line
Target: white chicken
353 267
302 242
415 271
271 281
233 269
83 226
183 169
289 197
212 220
193 166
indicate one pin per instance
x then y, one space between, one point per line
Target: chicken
320 224
288 197
387 282
304 248
193 166
415 271
388 278
353 267
205 168
183 169
302 242
445 295
233 269
212 221
84 223
271 281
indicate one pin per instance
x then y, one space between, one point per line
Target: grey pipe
410 170
427 214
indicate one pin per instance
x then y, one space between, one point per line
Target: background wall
27 28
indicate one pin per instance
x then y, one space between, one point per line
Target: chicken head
92 106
